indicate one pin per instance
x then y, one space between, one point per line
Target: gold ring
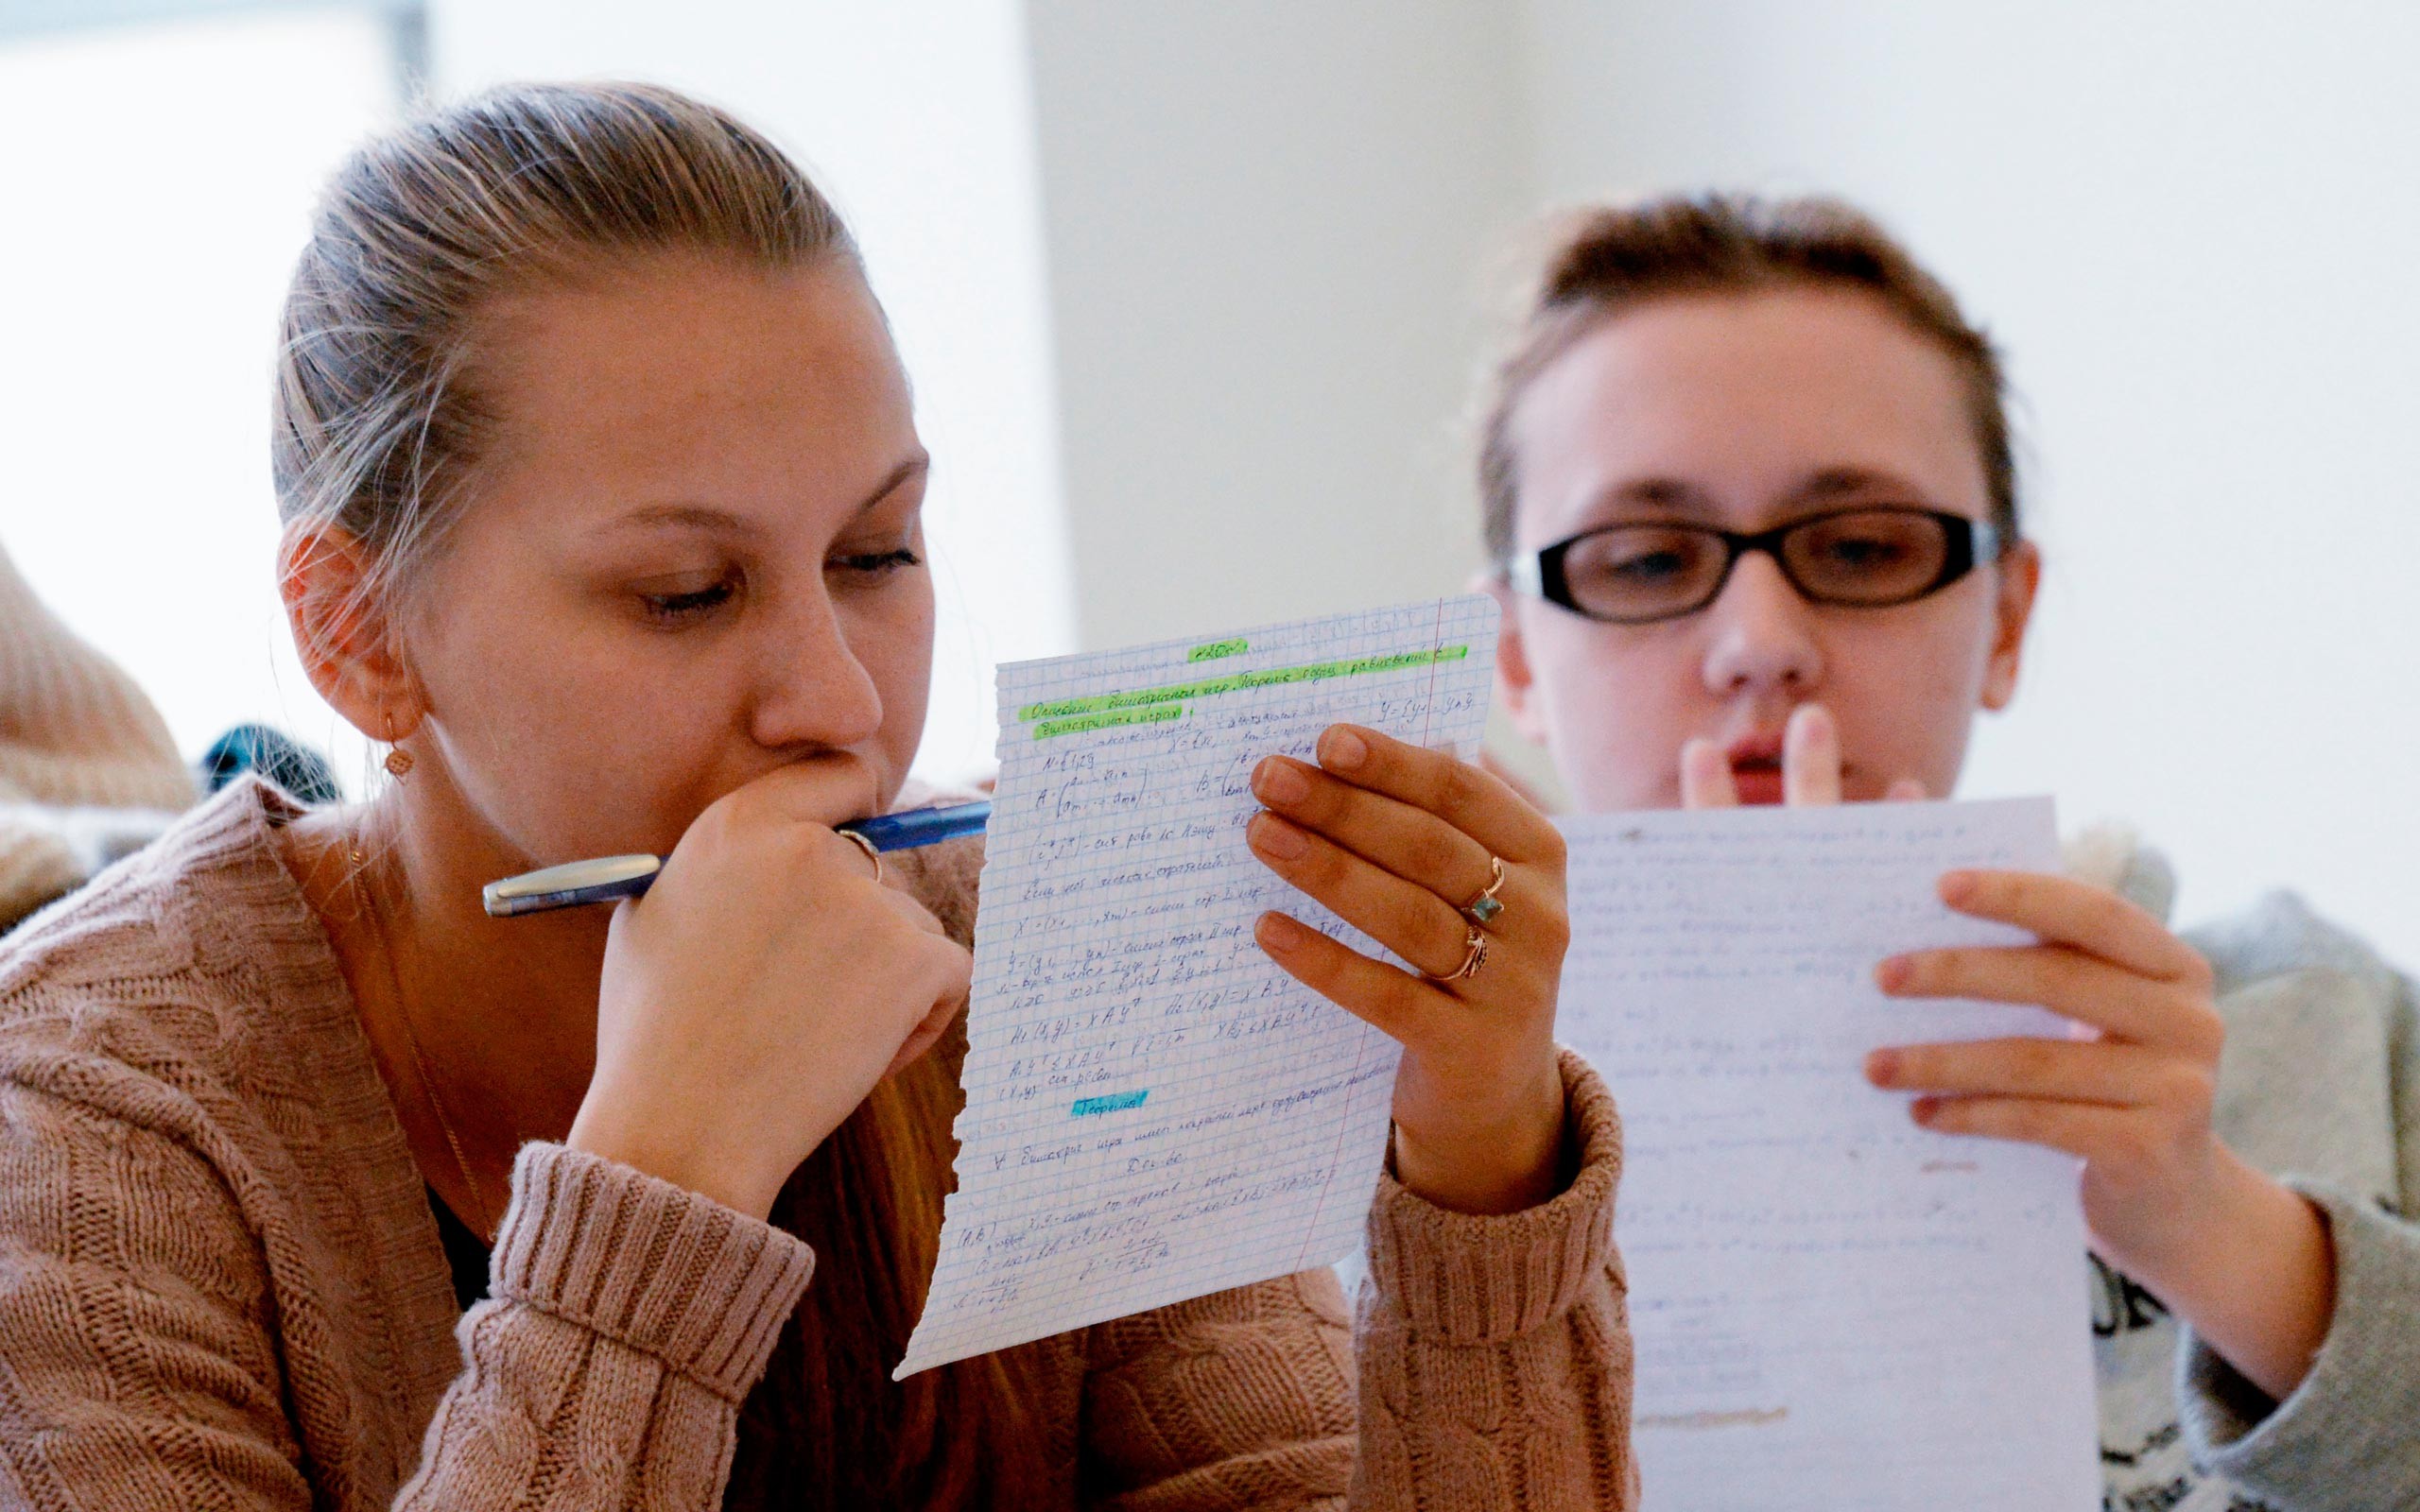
867 845
1483 908
1477 946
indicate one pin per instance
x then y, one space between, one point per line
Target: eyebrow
1668 495
1671 495
1832 482
705 517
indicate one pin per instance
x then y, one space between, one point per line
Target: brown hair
377 423
1605 261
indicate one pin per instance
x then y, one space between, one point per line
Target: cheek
1906 695
892 636
573 754
1618 702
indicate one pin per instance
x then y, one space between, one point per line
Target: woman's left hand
2133 1103
1397 841
2244 1258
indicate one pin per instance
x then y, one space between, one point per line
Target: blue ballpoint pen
608 879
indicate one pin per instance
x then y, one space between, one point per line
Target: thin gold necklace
481 1223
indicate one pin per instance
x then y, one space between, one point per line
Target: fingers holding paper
2133 1101
1403 844
2239 1255
2230 1250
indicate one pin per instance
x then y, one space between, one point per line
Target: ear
1514 680
2020 573
345 634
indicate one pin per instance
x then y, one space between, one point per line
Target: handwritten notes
1154 1111
1832 1308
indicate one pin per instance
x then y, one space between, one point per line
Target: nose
811 687
1760 635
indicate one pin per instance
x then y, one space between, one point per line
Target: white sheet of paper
1154 1111
1832 1307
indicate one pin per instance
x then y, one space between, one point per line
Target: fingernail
1279 782
1278 932
1278 838
1882 1067
1891 974
1341 750
1809 725
1959 887
1922 1108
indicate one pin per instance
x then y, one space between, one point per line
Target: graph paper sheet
1154 1111
1832 1307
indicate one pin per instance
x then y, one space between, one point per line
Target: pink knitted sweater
221 1286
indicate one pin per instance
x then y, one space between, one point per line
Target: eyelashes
879 563
674 609
691 605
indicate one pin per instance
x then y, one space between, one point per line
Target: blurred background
1193 292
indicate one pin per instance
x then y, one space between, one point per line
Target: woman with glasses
1747 482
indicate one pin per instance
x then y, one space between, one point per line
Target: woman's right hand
756 994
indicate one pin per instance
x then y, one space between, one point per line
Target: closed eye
878 564
691 604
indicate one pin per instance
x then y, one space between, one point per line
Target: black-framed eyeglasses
1869 557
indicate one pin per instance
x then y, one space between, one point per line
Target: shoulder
2279 936
167 954
2282 936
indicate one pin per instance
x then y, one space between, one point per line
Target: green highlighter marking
1061 717
1216 650
1156 714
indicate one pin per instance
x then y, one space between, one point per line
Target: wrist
2256 1277
684 1160
1492 1165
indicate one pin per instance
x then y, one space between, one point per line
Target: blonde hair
378 422
1603 261
375 419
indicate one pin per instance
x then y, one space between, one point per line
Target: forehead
694 376
1743 399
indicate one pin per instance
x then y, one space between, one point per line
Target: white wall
914 115
1229 258
1266 224
2190 224
158 181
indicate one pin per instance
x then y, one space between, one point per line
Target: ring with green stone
1483 908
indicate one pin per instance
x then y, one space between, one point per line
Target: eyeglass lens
1864 558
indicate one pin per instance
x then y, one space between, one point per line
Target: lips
1755 768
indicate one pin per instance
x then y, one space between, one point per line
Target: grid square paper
1154 1111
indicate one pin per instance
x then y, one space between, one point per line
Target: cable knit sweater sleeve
1493 1358
220 1285
626 1318
144 1366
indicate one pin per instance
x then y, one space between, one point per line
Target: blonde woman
319 1188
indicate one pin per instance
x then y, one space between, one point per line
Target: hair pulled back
378 422
374 417
1605 261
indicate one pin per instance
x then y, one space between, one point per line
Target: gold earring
399 760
